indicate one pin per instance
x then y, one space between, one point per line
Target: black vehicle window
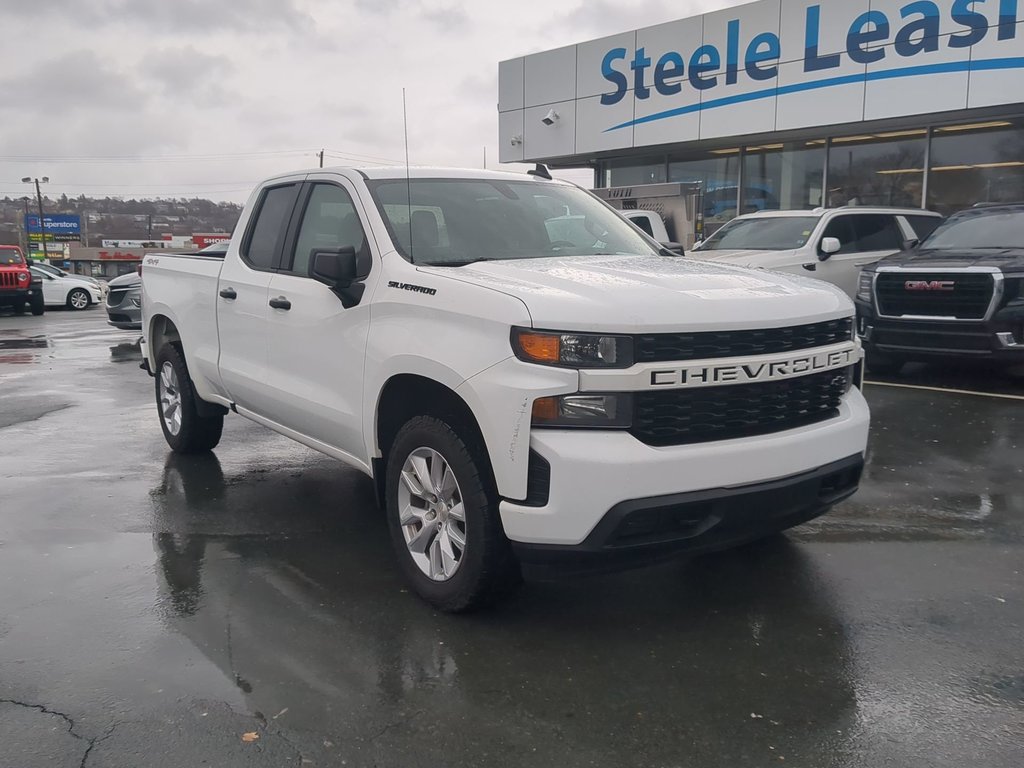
644 224
274 209
329 221
865 232
923 225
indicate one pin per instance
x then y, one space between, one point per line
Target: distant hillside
111 218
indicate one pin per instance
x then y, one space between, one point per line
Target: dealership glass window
976 163
718 173
877 169
783 176
640 170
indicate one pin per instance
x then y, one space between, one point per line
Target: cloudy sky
150 98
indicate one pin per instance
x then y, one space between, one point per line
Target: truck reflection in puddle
288 585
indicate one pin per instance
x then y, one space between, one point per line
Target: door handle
280 303
228 293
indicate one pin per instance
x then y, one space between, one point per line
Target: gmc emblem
929 285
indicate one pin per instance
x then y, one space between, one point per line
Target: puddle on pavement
6 344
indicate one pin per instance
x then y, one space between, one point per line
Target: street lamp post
28 243
39 198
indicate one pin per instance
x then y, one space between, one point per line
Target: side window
644 223
923 225
275 207
877 232
329 221
841 229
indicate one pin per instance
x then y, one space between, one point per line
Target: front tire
38 305
184 429
78 299
442 512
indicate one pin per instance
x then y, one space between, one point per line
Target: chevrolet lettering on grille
754 371
929 285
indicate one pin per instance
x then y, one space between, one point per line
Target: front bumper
126 315
998 339
11 296
593 474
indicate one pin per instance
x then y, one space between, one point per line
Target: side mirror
342 270
829 245
911 243
675 249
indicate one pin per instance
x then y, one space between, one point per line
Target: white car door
242 293
317 345
864 238
54 292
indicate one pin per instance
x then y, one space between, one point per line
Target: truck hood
1010 259
652 293
744 258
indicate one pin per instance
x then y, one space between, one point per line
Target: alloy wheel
170 399
431 514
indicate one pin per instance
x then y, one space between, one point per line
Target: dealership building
787 104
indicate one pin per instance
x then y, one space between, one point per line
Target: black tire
196 434
884 364
78 292
38 306
487 569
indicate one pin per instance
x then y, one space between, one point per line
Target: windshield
458 221
777 233
995 230
10 257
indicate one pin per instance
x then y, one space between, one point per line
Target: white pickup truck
519 389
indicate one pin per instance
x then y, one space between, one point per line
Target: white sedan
68 291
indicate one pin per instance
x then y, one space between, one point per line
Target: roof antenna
541 171
408 180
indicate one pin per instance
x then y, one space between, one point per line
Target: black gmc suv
959 293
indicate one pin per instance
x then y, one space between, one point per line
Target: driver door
864 238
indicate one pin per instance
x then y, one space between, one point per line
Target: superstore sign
904 38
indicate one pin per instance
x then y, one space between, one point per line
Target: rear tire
426 537
78 299
184 429
884 364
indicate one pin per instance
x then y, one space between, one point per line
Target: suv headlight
864 285
572 350
611 411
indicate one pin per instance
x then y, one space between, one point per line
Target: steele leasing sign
872 37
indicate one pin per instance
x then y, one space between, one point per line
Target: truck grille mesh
683 416
9 280
968 300
668 347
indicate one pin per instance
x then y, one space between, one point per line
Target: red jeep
17 288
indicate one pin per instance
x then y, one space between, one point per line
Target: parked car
513 396
71 291
58 272
831 244
958 295
19 288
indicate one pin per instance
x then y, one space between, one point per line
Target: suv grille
969 298
115 297
9 280
683 416
666 347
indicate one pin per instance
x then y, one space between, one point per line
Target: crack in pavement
89 743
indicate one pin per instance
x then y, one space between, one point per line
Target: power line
131 159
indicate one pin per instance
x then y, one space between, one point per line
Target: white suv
831 244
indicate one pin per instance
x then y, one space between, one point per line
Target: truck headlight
612 411
572 350
864 285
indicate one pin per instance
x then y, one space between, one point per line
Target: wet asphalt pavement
244 608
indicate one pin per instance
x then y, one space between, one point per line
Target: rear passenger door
242 296
316 345
864 239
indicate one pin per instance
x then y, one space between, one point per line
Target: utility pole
28 243
320 154
149 227
39 198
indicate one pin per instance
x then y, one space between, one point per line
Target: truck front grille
670 347
9 280
683 416
963 295
116 296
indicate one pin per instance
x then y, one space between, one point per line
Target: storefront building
787 104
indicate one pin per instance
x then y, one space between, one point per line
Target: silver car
124 302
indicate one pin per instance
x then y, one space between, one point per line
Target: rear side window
644 223
861 233
267 231
923 225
